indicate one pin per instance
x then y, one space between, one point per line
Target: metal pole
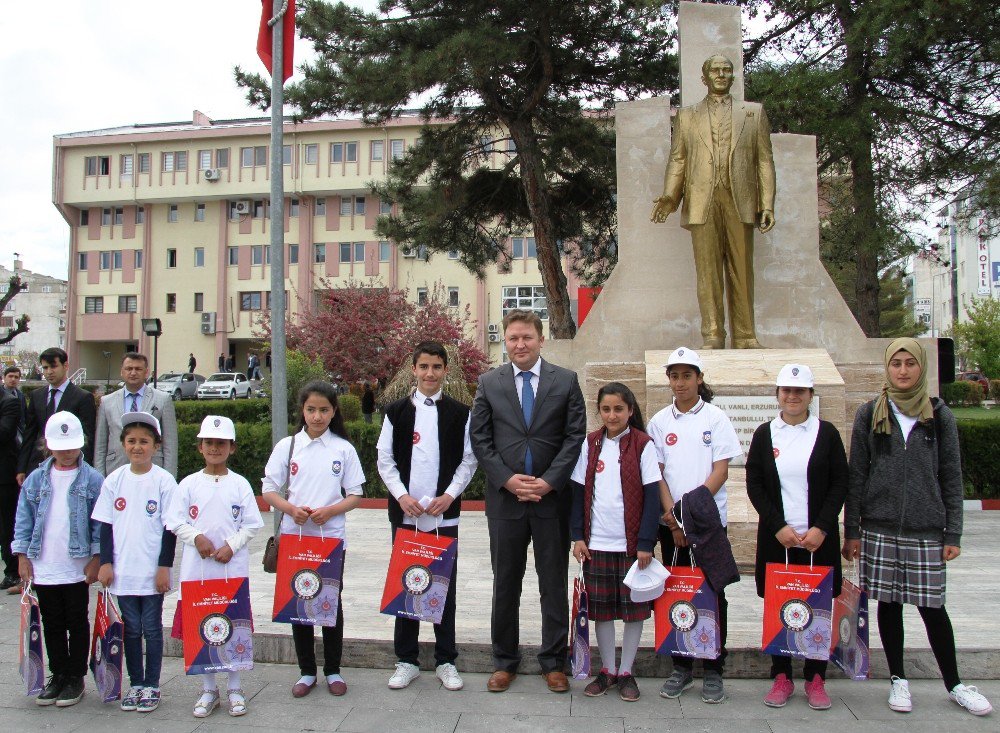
156 351
279 376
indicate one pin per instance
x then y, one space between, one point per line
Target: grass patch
977 413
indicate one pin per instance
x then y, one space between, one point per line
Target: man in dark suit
10 413
60 395
528 425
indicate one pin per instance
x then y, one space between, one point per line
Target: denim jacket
33 506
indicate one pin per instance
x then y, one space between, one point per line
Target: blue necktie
135 402
527 405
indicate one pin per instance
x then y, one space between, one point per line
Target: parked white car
179 385
225 386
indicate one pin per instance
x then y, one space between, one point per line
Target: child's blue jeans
143 619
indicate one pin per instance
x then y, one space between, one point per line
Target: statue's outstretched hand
766 221
662 208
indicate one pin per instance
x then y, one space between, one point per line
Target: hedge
962 394
980 445
995 390
254 410
253 442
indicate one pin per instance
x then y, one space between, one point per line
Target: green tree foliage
978 338
519 78
902 96
300 369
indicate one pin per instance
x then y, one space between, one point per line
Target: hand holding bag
271 549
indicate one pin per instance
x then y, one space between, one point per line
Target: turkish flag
264 38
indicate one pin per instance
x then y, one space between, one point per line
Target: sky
73 65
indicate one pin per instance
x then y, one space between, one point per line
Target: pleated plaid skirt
609 596
902 570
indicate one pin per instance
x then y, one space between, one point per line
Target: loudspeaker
946 361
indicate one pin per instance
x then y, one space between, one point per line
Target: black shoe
72 692
51 692
9 582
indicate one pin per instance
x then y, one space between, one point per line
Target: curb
975 505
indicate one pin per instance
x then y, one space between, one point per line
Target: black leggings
939 633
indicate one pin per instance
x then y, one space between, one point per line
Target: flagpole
279 375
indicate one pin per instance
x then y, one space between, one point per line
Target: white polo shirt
793 446
320 468
607 512
688 443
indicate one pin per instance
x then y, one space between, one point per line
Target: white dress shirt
536 370
793 446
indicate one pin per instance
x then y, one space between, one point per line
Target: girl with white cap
695 442
903 516
214 513
57 546
797 482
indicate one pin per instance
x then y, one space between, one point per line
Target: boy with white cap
214 513
137 553
57 546
695 443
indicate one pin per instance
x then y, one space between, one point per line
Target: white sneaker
405 674
899 696
971 699
449 677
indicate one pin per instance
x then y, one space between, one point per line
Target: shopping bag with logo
798 610
310 574
686 616
420 567
218 625
106 648
849 649
579 631
32 664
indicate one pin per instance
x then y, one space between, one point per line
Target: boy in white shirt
57 547
137 553
214 513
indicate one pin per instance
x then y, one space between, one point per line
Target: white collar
620 435
141 391
326 438
693 411
535 368
804 425
418 397
61 387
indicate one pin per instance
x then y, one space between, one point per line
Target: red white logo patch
777 452
416 437
293 467
193 511
600 466
671 438
120 503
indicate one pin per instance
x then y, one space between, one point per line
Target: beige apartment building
170 221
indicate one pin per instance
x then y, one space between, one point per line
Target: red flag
264 37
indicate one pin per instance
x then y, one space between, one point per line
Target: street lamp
153 327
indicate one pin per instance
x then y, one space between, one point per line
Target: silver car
179 385
225 386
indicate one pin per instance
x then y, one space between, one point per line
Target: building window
452 254
97 165
204 159
171 302
345 251
105 217
336 152
127 304
199 212
93 304
138 259
421 296
259 209
145 162
126 165
46 288
453 297
293 207
84 217
511 146
105 261
383 251
172 214
250 301
321 207
359 251
81 261
199 302
171 258
167 162
257 254
384 207
181 160
234 255
250 157
312 154
351 152
222 157
523 246
286 154
395 149
319 253
359 205
140 215
378 150
293 254
345 206
267 254
116 260
199 256
524 297
119 216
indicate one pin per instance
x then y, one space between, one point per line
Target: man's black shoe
9 582
51 692
72 692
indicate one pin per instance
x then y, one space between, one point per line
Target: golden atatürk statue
722 167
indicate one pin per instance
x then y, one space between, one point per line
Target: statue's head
717 74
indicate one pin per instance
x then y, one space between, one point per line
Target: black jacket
78 401
702 524
826 476
10 414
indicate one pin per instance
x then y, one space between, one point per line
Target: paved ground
369 706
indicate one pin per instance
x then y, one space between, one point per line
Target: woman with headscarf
903 517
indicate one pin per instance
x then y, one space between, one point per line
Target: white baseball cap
63 431
684 355
216 426
141 418
795 375
646 584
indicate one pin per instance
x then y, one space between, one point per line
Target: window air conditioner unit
493 328
243 207
494 338
212 174
408 252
